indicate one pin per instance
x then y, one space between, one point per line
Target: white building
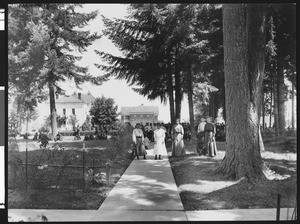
139 114
77 104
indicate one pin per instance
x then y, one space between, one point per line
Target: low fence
77 170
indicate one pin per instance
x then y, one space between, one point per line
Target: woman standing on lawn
177 136
210 142
138 139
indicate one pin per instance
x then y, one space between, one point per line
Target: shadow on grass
201 188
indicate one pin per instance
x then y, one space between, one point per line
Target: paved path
146 192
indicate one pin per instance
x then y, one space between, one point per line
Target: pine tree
44 51
244 59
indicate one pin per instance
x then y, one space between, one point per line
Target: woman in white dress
159 141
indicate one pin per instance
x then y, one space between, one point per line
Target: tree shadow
202 188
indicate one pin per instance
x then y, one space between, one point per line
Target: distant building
77 104
139 114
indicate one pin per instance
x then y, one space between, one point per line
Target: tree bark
293 107
52 108
271 103
178 89
275 107
171 91
244 60
191 107
263 112
281 98
260 139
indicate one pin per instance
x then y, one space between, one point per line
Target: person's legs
206 145
136 150
210 144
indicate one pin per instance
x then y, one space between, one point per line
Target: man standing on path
138 139
159 141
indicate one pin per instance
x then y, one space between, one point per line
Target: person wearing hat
138 139
210 142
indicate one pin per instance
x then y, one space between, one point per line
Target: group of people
149 129
206 132
142 142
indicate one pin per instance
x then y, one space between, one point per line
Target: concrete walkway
146 192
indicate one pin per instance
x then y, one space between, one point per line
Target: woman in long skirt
159 139
210 132
178 144
138 139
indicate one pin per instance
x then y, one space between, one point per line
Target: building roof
85 98
139 110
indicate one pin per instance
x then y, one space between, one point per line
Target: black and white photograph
151 112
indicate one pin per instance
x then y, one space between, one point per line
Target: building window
73 111
64 112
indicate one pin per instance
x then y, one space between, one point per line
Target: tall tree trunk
244 60
178 89
171 91
281 98
261 143
52 109
191 107
263 112
212 105
271 103
19 124
293 107
275 108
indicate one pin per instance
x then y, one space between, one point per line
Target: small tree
87 123
61 120
73 121
13 124
104 112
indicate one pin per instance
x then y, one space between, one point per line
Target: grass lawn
54 188
202 189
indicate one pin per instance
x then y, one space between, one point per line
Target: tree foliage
161 43
42 41
104 112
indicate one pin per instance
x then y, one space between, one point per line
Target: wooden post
83 169
108 173
278 207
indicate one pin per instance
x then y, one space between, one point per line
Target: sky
116 89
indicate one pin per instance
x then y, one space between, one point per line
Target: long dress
210 142
138 139
159 138
178 144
